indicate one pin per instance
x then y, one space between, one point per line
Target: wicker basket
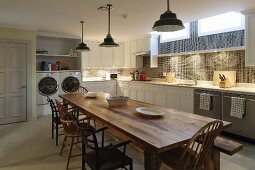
117 100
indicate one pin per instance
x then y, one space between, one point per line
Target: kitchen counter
244 88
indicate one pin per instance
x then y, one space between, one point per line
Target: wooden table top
162 133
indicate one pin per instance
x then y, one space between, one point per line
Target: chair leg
63 145
52 129
70 153
83 157
56 134
131 165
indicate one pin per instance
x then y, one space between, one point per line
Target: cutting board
170 77
230 76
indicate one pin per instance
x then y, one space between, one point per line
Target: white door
12 83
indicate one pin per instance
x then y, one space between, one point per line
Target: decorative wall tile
203 65
209 42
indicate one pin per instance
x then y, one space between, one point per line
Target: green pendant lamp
82 46
109 41
168 22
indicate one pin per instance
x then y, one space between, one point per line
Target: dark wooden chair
55 120
69 119
79 89
192 156
102 157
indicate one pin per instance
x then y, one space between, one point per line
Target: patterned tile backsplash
203 65
200 65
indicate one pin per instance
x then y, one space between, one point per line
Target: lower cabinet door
140 95
172 101
132 94
186 103
111 90
160 99
148 97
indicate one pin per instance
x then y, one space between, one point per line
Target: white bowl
91 95
117 100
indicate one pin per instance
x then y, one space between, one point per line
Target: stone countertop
248 89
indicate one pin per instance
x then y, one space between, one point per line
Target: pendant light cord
168 5
82 31
109 18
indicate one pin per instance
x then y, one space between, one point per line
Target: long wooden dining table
154 135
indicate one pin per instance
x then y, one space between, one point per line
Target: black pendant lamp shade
109 41
168 22
82 46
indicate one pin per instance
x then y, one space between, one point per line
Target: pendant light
168 22
108 41
82 46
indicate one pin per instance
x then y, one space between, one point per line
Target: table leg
151 160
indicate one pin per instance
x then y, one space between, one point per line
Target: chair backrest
67 119
53 107
79 90
89 138
200 145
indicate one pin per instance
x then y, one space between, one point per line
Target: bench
227 146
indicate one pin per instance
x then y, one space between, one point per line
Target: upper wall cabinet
250 38
119 56
107 57
93 58
127 54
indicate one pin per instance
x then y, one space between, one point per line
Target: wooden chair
192 156
102 157
69 121
79 89
55 120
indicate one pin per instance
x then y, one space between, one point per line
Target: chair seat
172 159
57 120
109 159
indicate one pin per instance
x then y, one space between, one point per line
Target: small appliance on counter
113 75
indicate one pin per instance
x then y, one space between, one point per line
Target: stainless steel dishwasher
215 111
243 127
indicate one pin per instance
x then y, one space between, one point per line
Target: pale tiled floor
29 146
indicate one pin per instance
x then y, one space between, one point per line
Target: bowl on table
117 100
90 95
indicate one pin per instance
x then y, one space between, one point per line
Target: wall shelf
56 55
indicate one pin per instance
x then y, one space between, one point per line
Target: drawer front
180 90
243 127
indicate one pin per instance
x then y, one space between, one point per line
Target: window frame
187 36
241 27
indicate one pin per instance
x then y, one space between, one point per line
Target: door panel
2 82
172 101
15 82
186 103
12 83
3 108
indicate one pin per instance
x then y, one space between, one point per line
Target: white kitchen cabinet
139 45
107 57
127 55
140 95
159 95
122 88
119 57
179 98
148 93
250 38
186 103
172 101
94 55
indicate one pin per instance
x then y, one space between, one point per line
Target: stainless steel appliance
243 127
215 111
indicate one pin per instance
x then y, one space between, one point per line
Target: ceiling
63 16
